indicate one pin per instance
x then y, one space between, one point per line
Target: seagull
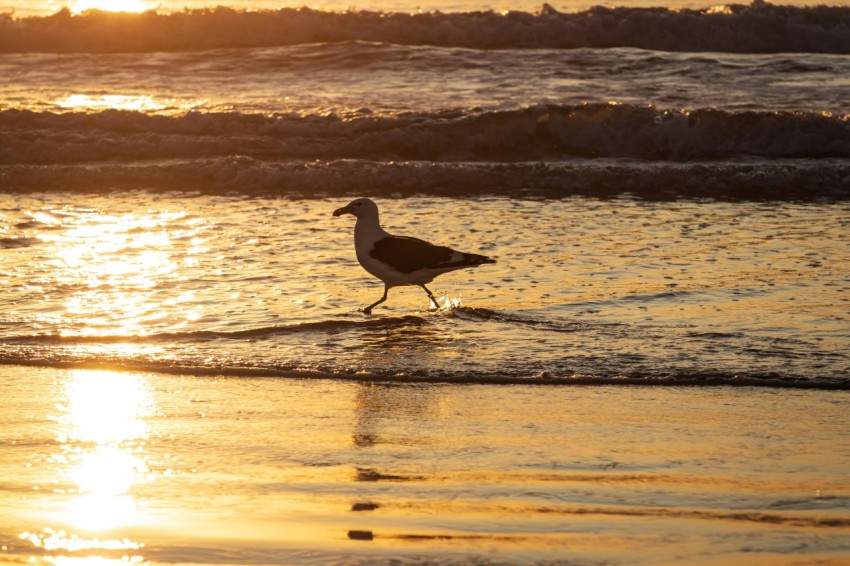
400 260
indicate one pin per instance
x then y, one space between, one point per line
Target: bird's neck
368 229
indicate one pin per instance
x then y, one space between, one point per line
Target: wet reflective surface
149 345
109 468
688 292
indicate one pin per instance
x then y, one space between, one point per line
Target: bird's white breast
366 233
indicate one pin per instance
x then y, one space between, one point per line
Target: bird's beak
343 210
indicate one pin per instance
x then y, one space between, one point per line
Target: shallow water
100 465
584 289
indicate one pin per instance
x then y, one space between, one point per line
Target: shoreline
691 381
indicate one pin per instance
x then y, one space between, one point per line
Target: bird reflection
383 409
379 404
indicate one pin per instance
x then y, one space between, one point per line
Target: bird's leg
431 296
368 310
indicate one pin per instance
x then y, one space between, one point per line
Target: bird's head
359 208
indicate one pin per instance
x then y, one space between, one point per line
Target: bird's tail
476 259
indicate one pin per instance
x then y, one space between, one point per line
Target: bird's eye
359 204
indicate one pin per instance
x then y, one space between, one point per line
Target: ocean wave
481 314
477 377
756 28
827 179
537 132
192 353
329 326
333 326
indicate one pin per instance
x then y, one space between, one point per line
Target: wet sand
103 467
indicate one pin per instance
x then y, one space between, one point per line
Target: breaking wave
507 377
536 132
554 150
756 28
203 335
763 180
96 352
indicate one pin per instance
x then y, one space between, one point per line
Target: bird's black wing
407 255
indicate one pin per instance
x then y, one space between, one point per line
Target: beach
170 469
651 367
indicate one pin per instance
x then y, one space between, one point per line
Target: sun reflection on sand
105 407
108 409
103 433
52 539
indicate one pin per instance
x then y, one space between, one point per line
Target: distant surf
756 28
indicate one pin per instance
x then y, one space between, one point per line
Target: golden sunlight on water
115 264
103 433
106 101
82 102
